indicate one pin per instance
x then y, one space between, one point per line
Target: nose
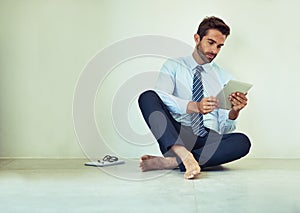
214 49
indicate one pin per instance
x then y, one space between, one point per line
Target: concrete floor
247 185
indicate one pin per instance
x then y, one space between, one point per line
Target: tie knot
199 69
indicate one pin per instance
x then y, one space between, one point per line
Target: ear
197 38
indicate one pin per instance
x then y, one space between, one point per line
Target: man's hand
206 105
238 101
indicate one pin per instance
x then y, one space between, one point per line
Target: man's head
210 37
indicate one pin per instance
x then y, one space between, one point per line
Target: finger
240 97
207 107
212 104
237 98
232 98
239 105
234 101
212 99
237 101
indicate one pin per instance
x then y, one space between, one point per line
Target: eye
219 46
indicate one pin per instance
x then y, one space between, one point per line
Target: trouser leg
161 123
220 149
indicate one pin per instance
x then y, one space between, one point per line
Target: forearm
174 104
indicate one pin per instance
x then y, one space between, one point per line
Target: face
210 45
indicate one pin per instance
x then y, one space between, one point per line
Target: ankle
170 163
181 152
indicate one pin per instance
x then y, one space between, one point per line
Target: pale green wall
46 44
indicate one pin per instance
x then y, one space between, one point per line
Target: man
183 112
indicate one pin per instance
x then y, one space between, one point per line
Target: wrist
233 114
192 107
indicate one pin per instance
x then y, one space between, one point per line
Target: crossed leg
166 130
231 147
149 162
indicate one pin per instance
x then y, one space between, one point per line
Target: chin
210 59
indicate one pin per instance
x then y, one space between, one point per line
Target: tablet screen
231 87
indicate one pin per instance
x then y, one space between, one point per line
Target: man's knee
147 97
244 143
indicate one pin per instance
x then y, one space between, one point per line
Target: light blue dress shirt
175 84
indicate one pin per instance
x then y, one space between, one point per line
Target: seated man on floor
190 128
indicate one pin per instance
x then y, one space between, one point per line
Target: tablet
231 87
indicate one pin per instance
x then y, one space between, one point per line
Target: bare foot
150 162
192 167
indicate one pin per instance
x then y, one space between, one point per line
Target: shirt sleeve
165 87
230 125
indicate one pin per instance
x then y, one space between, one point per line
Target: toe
147 157
188 175
144 157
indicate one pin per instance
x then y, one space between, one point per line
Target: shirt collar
193 64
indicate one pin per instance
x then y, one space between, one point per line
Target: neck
199 57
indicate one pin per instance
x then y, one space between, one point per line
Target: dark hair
212 23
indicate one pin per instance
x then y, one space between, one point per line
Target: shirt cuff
183 105
228 120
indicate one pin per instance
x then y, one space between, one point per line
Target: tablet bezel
229 88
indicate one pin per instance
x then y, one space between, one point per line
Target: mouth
210 56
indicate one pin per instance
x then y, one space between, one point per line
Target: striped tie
197 118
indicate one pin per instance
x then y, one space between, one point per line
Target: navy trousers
211 150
